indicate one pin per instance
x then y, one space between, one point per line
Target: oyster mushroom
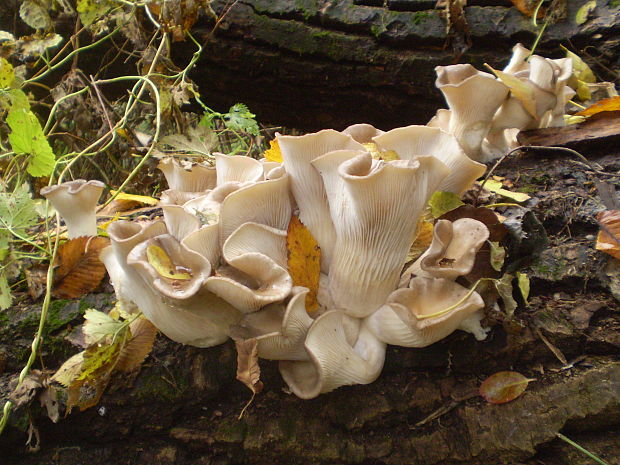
76 201
428 311
187 177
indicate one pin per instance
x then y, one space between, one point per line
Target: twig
581 449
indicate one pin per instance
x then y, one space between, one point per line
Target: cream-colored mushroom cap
333 361
187 177
76 201
362 133
407 318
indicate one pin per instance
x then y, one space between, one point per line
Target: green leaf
239 118
583 12
496 186
5 291
17 210
91 10
35 45
7 74
498 255
100 327
524 285
19 100
504 288
580 69
34 14
27 137
443 202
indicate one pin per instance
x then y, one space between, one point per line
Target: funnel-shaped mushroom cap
376 206
206 242
124 236
268 166
518 60
413 141
333 361
307 186
237 168
264 202
452 252
473 97
76 201
187 177
287 341
362 133
175 197
179 222
255 237
407 319
252 281
441 120
193 266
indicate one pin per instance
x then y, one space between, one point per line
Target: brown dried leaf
503 387
36 278
79 269
608 239
608 104
49 400
133 353
248 370
304 260
528 7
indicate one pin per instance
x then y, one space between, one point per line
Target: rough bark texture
182 407
312 64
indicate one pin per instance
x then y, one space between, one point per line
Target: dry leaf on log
304 261
248 371
503 387
79 269
133 353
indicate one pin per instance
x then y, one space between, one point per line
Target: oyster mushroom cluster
223 239
486 112
216 265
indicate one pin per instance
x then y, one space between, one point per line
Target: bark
312 64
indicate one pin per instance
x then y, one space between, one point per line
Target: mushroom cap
237 168
362 133
194 178
76 201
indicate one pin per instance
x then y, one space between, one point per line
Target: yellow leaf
273 152
496 186
7 75
520 90
160 260
443 202
386 155
580 69
571 119
423 239
583 91
583 12
304 260
608 104
142 199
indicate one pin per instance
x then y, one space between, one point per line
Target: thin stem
581 449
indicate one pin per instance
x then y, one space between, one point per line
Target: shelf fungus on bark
76 202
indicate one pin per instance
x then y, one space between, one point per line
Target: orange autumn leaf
528 8
608 104
608 239
273 153
304 260
503 387
79 269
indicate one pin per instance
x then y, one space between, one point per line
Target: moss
420 16
230 430
157 385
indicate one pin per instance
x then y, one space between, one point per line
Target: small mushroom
473 97
452 252
237 168
428 311
363 133
333 362
76 201
187 177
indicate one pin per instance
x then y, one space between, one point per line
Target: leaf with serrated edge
137 348
7 75
304 261
27 137
99 327
273 153
79 269
70 370
34 14
503 387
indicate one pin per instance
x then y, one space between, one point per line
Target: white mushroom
187 177
306 185
376 206
237 168
76 201
428 311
